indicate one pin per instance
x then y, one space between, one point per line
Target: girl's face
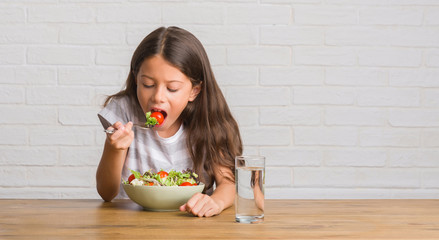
163 87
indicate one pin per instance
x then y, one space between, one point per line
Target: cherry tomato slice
149 184
162 174
131 178
186 184
159 116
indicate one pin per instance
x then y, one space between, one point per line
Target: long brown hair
213 137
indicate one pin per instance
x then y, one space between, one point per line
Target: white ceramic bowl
161 198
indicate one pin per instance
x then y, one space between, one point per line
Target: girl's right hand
122 137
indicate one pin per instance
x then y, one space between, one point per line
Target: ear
194 92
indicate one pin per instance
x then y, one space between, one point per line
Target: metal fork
111 131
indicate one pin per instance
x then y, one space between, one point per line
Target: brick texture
342 97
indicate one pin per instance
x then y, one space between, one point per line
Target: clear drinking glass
250 189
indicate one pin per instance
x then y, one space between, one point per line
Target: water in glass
249 201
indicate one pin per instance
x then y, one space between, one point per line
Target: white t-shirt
148 150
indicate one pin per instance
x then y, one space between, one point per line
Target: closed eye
148 86
172 90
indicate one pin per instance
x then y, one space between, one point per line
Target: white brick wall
341 96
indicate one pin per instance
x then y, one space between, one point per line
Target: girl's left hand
201 205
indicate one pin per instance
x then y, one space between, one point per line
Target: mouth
160 111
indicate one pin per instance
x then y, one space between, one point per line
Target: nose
159 94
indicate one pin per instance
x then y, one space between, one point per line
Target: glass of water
250 189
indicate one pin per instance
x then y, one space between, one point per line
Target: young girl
170 73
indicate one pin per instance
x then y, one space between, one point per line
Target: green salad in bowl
162 178
162 191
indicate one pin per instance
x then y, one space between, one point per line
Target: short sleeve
120 109
112 113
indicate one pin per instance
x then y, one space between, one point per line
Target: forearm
224 195
109 172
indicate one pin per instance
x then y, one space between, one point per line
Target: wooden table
284 219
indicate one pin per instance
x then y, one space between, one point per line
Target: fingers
201 205
113 128
122 136
120 128
129 126
210 213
